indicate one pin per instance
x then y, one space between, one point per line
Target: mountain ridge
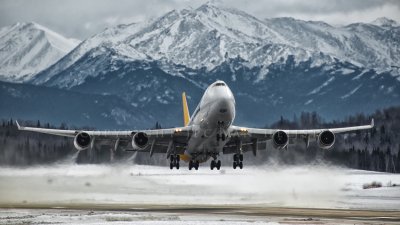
208 35
28 48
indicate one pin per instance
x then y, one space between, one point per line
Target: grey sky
83 18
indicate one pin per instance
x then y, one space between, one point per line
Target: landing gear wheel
190 165
197 165
218 137
238 161
212 165
174 161
218 164
223 137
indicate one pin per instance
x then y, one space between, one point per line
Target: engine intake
326 139
82 141
280 139
140 141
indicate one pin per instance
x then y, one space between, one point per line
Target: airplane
205 135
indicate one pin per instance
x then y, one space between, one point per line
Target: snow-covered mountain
366 45
385 22
283 66
209 35
28 48
196 38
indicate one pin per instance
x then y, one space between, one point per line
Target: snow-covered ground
123 187
305 186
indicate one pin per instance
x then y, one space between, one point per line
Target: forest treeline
377 149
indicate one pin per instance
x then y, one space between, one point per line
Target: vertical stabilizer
186 115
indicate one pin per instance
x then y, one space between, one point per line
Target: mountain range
278 66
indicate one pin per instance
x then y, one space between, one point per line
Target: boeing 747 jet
208 133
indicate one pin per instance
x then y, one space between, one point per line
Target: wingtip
372 122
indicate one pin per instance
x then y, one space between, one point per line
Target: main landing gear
238 161
174 161
193 164
215 164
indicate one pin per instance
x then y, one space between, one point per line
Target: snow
302 186
111 37
28 48
346 71
360 75
57 40
308 102
318 89
383 21
76 217
351 92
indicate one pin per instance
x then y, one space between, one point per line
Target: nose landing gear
220 134
238 161
221 137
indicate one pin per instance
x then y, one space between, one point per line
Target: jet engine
280 139
82 141
326 139
140 141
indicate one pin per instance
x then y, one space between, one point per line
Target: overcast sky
82 18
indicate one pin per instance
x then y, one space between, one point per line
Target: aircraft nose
225 107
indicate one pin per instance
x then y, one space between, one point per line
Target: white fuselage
213 116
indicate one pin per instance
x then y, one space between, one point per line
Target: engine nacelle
82 141
140 141
280 139
326 139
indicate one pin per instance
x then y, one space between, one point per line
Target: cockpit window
219 84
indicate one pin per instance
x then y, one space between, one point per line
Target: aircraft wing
159 138
252 139
255 132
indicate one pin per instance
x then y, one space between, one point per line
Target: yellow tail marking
186 116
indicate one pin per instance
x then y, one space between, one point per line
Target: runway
94 194
170 214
